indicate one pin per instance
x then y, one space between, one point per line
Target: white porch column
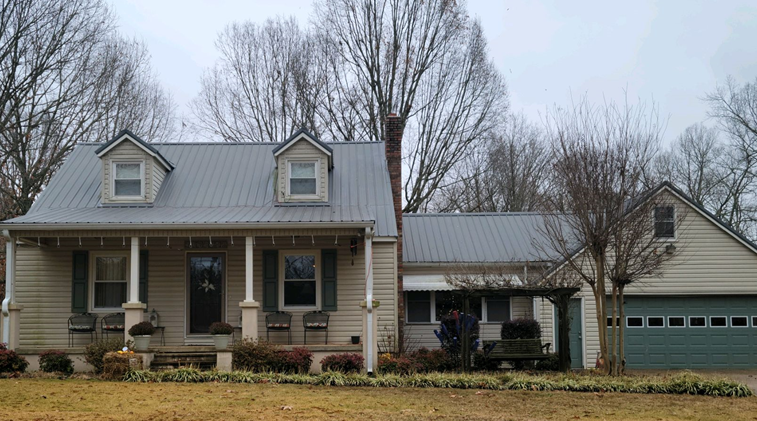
249 305
133 310
370 348
11 311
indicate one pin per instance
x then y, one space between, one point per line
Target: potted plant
221 332
142 332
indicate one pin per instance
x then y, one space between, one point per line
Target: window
664 222
634 321
447 302
697 321
655 321
110 276
754 321
497 309
418 307
127 179
609 321
676 321
718 321
739 321
302 179
300 284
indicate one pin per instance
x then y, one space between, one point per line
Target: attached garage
691 332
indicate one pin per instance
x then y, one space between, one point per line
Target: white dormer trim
297 139
140 145
142 178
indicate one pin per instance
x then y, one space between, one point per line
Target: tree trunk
621 308
465 340
600 298
614 331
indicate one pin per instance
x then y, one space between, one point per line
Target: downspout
9 260
369 298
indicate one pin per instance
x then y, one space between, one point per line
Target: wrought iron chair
82 323
316 320
113 322
281 321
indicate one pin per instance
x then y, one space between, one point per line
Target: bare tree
59 61
508 174
601 155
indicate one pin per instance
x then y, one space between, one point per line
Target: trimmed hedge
685 383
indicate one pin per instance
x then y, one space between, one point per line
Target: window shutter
143 259
328 280
270 280
79 282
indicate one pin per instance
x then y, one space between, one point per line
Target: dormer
302 169
132 170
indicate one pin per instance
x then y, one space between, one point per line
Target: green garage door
691 332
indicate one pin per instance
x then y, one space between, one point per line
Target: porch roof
218 184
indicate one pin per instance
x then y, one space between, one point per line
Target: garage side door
691 332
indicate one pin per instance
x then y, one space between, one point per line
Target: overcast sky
672 52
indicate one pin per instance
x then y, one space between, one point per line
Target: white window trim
643 322
754 321
698 327
719 327
677 327
675 228
432 310
311 252
317 163
485 308
656 327
740 327
93 274
113 180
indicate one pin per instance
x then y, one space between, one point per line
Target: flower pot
221 341
355 340
142 342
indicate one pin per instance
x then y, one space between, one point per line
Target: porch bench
518 349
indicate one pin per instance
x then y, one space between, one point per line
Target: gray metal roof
222 183
474 238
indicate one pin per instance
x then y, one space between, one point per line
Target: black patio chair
113 322
280 321
316 320
82 323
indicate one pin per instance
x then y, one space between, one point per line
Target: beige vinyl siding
302 150
158 175
44 287
708 261
127 151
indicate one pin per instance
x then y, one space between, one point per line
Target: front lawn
48 399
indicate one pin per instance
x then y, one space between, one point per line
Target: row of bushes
264 357
52 361
683 384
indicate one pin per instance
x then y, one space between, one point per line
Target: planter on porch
221 341
142 342
221 334
142 332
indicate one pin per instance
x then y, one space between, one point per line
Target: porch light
153 319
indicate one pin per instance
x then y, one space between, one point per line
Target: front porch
184 281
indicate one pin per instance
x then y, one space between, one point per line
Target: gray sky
672 52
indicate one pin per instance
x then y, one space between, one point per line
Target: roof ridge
438 214
345 142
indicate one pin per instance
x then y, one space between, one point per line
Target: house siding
44 288
708 261
302 150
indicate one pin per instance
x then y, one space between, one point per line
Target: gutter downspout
369 298
9 269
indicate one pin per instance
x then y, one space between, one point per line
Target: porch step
171 360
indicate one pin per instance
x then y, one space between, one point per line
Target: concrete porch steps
167 360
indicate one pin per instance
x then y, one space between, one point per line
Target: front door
576 333
205 291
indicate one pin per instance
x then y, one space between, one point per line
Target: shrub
450 334
482 362
142 329
401 364
549 364
433 360
256 356
10 362
53 361
343 363
521 329
94 352
221 328
298 361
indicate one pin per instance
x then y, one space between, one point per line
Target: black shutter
143 259
270 280
328 280
79 282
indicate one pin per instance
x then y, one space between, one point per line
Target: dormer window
303 180
128 179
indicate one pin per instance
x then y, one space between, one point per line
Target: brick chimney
393 144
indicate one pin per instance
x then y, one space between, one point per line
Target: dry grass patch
49 399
